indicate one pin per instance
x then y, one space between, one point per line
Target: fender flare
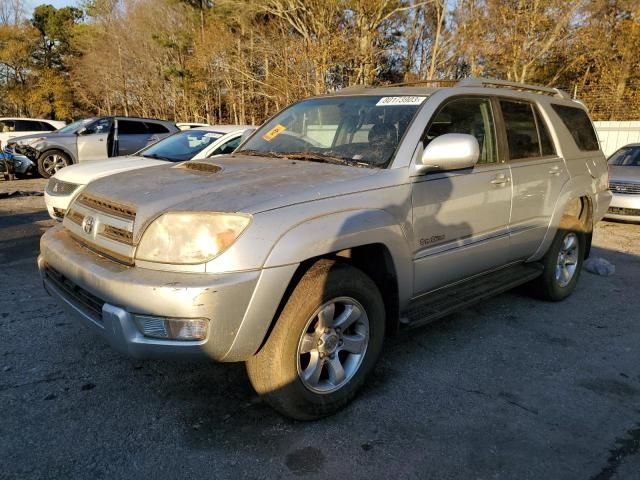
576 187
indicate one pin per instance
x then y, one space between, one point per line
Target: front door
461 217
93 140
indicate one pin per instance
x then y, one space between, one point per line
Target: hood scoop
201 167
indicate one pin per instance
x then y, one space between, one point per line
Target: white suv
16 127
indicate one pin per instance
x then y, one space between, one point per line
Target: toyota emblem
87 224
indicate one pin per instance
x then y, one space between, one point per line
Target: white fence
614 135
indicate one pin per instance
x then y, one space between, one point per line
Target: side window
156 128
131 127
7 126
545 138
472 116
27 126
577 122
227 147
522 134
102 125
47 127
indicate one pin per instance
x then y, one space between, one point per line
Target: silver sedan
624 183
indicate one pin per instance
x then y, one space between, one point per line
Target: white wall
614 135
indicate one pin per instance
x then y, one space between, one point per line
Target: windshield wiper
257 153
319 157
155 156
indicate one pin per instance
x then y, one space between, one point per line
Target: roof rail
429 83
523 87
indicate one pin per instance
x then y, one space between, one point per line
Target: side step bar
442 302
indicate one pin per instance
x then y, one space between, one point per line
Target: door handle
555 170
500 179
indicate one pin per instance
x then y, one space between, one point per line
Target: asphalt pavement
512 388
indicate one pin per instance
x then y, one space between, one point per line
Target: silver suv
343 219
90 139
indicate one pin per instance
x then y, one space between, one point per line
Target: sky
55 3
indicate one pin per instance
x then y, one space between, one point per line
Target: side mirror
451 151
82 131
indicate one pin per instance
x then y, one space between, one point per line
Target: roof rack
522 87
435 83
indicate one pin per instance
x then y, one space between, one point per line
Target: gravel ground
512 388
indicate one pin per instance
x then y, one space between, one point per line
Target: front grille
625 187
78 295
58 187
109 207
624 211
117 234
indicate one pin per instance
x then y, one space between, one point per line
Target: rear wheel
562 265
52 161
324 344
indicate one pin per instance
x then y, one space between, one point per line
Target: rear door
157 131
537 172
133 135
461 217
93 140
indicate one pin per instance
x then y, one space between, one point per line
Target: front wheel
52 161
562 265
324 344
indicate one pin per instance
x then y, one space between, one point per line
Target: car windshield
72 127
181 146
352 130
626 157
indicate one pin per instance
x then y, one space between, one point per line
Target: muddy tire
324 344
562 265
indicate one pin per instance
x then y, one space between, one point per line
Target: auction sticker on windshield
390 101
274 132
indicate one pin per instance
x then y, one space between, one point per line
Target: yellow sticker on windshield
274 132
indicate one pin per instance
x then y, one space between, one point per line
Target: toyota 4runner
343 219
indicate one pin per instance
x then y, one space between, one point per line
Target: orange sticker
274 132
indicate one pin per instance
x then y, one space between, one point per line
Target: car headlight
185 238
29 141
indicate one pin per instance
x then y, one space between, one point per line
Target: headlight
29 141
190 238
58 187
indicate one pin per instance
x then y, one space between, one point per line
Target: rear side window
577 122
522 132
156 128
28 126
47 127
130 127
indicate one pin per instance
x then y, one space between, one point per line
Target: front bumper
57 205
104 295
624 207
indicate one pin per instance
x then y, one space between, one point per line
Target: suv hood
86 172
228 184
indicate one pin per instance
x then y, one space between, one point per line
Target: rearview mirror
451 151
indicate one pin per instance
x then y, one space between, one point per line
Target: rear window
577 122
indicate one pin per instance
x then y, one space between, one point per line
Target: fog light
172 328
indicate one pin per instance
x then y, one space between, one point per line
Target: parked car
90 139
624 183
188 125
343 219
12 164
11 127
197 143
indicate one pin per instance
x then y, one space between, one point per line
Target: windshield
72 127
182 145
626 157
357 130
